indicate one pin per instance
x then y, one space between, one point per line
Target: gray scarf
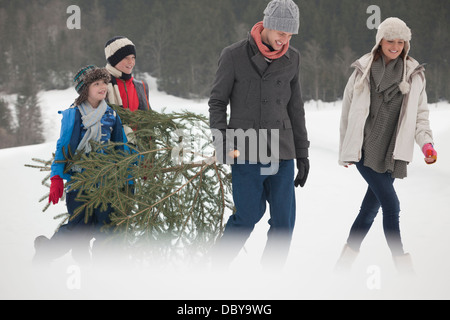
91 118
387 77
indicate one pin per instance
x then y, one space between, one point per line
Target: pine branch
161 205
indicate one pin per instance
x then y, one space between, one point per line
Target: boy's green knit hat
85 76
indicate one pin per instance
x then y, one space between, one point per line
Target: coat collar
260 62
412 65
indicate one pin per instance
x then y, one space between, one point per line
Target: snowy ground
326 208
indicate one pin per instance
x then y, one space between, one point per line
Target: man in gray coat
259 78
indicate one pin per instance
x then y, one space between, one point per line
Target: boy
123 89
89 118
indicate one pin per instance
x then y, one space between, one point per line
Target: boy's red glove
430 153
56 189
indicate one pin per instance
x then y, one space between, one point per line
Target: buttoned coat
261 96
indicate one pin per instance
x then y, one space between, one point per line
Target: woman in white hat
384 111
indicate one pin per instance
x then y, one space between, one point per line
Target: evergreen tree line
26 127
179 42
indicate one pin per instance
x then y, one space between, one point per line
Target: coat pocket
287 124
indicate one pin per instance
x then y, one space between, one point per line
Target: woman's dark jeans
380 193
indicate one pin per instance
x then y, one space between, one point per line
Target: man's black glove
303 170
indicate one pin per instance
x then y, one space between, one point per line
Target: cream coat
414 115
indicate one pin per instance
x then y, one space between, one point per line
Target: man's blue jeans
251 192
380 193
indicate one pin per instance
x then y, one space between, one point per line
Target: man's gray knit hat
282 15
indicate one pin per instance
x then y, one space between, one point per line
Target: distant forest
179 42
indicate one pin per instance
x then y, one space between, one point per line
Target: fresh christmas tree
168 193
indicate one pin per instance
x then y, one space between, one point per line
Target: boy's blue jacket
71 135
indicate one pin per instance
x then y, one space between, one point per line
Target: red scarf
265 51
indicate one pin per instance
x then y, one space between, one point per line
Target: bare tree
312 63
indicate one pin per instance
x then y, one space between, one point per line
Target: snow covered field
326 208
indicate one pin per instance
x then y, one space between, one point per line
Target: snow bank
326 208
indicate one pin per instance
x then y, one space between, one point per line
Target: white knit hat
390 29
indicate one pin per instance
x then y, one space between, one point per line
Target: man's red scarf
265 51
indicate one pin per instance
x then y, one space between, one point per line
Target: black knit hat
118 48
84 77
